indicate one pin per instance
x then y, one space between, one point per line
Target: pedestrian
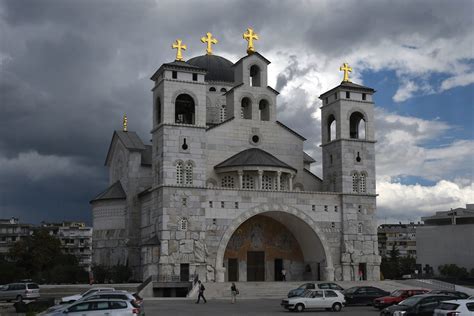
234 291
283 274
201 292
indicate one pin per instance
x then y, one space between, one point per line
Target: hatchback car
418 305
73 298
363 295
19 291
312 286
396 297
455 308
313 299
97 307
454 294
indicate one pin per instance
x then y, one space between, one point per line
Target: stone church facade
224 190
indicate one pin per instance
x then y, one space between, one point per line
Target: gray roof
290 130
348 86
130 140
253 157
114 192
176 65
308 158
218 68
256 54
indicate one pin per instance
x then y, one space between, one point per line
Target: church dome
218 68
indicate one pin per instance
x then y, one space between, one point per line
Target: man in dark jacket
201 292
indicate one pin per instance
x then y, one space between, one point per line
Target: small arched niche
331 128
246 108
357 126
184 109
264 109
255 78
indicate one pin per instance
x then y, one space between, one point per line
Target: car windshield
351 290
396 293
411 301
303 286
88 292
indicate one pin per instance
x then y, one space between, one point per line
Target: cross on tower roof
209 40
345 67
249 36
179 46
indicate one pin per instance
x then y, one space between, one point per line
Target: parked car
312 286
313 299
455 308
112 307
454 294
418 305
19 291
396 297
73 298
363 295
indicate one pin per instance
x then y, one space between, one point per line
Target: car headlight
399 313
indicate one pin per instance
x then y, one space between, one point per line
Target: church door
255 266
233 269
278 268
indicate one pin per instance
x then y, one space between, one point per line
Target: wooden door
255 266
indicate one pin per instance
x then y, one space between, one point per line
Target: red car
396 297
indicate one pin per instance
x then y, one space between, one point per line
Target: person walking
234 292
283 274
201 292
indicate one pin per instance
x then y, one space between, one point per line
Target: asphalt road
178 307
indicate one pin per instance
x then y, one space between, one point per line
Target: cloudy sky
70 69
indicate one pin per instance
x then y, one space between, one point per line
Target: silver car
19 291
455 307
111 307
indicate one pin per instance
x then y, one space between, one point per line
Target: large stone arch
268 208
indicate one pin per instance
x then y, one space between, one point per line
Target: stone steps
250 290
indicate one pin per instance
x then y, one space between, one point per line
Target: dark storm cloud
70 69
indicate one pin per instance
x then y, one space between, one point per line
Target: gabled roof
253 157
114 192
130 140
347 85
219 124
253 54
312 174
308 158
290 130
176 65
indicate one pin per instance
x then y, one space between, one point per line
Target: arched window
264 109
183 224
184 109
267 182
332 128
212 89
357 125
223 90
227 182
222 113
355 182
283 183
247 181
179 172
158 110
188 173
246 109
254 76
363 182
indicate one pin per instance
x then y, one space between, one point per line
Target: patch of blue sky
412 180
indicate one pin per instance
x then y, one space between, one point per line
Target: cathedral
224 192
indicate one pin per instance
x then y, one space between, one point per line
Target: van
19 292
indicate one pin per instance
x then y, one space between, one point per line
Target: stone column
260 182
278 180
327 274
290 182
241 174
220 274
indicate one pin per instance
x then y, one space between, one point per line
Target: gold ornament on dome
345 67
179 46
250 36
209 40
125 122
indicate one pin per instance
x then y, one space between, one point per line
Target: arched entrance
268 238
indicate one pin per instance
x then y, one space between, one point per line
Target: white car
312 299
455 307
73 298
111 307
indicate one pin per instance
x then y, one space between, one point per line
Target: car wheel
299 307
19 298
336 307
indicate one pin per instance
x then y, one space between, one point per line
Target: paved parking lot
243 307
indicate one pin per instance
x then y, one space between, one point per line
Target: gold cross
179 46
346 70
249 36
125 122
209 40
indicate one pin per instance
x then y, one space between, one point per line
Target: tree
453 271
